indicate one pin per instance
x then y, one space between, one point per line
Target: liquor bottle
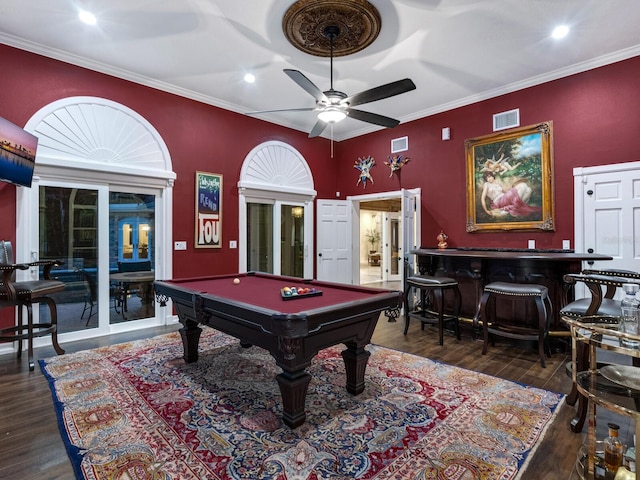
630 314
612 449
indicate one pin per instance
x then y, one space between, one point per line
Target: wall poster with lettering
208 210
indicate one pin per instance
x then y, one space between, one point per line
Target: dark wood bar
474 268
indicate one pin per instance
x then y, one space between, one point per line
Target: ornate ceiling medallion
305 22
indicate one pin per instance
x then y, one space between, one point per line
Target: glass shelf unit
620 396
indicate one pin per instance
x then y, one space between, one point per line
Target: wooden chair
91 293
602 285
23 295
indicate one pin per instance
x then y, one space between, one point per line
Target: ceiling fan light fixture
332 115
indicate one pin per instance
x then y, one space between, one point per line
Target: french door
134 239
94 229
276 237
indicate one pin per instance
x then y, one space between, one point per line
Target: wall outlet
566 244
233 244
532 244
179 245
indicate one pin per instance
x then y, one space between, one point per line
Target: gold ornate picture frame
208 210
510 180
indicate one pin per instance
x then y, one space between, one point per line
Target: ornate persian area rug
137 410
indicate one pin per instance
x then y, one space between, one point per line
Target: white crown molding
167 87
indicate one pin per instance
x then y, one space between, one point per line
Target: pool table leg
355 363
190 334
293 389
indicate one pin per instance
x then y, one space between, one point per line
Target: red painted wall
596 121
595 118
198 136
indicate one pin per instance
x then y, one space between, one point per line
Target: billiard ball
236 281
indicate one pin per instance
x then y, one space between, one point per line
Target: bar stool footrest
39 330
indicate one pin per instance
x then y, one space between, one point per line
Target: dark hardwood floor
555 457
31 446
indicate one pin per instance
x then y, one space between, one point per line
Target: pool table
293 329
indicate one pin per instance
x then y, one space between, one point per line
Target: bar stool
25 294
437 286
491 326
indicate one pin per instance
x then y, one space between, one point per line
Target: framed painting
208 210
510 180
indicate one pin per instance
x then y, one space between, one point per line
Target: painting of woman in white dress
509 184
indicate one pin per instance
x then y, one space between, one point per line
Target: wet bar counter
474 268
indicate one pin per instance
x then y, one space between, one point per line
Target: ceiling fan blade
373 118
309 109
306 84
318 128
383 91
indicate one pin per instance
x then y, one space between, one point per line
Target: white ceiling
456 51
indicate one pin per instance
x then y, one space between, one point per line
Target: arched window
276 197
93 153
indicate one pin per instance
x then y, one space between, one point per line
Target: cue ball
236 281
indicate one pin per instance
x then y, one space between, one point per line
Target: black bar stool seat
517 291
436 286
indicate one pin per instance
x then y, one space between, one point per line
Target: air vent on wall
399 144
506 120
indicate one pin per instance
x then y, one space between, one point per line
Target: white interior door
608 214
334 241
411 226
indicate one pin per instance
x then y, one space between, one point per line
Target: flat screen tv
17 154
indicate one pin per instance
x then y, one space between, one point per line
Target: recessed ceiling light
249 77
560 31
87 17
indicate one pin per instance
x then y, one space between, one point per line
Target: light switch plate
233 244
532 244
566 244
179 245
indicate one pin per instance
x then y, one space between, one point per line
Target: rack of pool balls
291 293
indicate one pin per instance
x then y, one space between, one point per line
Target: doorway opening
380 239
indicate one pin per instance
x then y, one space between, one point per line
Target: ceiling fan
333 105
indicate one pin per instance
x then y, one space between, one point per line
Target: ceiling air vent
399 144
506 120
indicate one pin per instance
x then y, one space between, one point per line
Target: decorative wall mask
364 165
396 162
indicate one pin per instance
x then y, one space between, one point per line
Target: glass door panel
260 237
292 240
68 230
131 256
